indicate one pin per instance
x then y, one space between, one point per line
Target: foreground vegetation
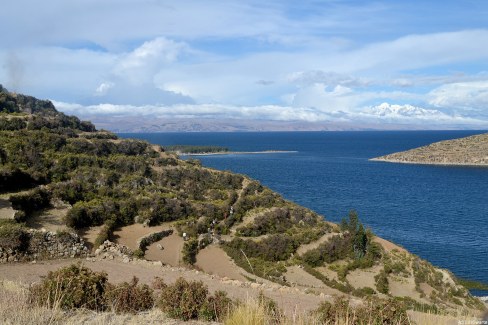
62 298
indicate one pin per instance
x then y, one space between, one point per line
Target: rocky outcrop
469 151
42 245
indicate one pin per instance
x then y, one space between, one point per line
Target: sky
422 63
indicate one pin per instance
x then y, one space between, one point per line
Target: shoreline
236 153
396 161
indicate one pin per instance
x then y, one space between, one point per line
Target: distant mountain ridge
472 151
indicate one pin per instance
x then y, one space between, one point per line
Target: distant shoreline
236 153
453 164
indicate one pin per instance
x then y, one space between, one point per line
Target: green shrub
30 201
13 236
183 300
216 307
105 233
190 251
20 216
12 124
152 238
138 253
363 292
381 281
74 286
129 297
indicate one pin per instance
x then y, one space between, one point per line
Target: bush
71 287
183 300
31 201
190 251
129 297
152 238
105 233
376 311
13 236
381 280
216 307
363 292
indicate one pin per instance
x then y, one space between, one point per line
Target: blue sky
409 62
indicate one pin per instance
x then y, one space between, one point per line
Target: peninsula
468 151
203 239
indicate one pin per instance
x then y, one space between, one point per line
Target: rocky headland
468 151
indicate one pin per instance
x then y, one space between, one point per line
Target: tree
360 242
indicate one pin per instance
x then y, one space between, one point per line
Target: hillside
62 179
469 151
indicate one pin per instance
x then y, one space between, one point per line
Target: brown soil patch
89 235
360 278
427 289
6 211
129 235
328 272
404 287
297 276
389 246
171 252
50 219
213 260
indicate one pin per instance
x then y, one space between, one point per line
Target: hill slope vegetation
107 185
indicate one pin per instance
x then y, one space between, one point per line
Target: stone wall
42 245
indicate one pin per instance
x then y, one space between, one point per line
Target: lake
439 213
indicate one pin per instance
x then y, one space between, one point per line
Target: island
468 151
194 150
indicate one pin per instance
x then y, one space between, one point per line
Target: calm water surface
439 213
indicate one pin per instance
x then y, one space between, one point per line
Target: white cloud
328 78
103 88
383 113
394 113
466 96
289 60
144 62
264 112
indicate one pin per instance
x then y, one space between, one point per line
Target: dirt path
286 298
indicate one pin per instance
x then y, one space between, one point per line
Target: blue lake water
439 213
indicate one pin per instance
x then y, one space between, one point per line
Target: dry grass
433 319
15 309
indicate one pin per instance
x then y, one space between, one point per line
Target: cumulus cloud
275 59
103 88
463 96
141 64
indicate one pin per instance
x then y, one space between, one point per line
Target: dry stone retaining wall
42 245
